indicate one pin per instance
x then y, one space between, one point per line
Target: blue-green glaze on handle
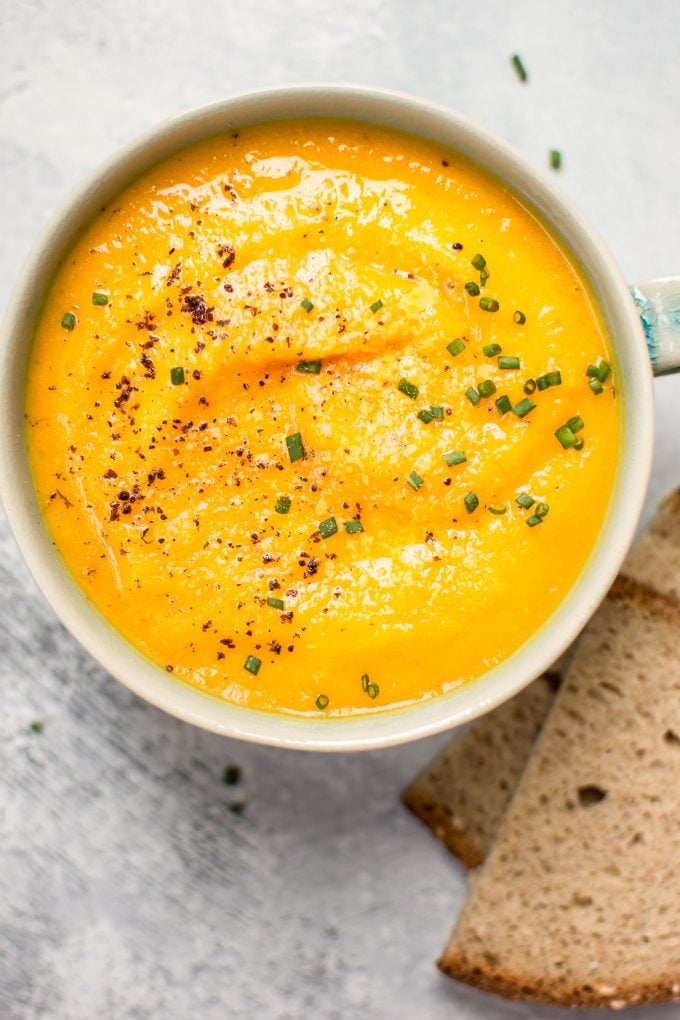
659 305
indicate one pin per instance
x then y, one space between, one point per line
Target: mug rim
369 729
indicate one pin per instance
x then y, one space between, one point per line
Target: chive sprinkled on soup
304 406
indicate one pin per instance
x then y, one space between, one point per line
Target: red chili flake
227 254
147 322
149 366
174 275
196 306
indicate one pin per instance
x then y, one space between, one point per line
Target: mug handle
658 302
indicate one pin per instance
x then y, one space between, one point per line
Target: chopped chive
506 362
534 520
472 395
483 277
516 61
541 510
486 388
472 288
414 480
372 690
579 444
307 305
488 304
365 681
497 509
296 449
566 437
593 371
542 383
231 775
353 527
322 702
524 407
576 423
309 367
454 457
275 603
519 317
282 505
376 306
37 726
252 664
68 321
177 376
478 261
437 412
555 159
603 370
98 298
425 416
503 404
328 527
530 386
596 386
491 350
408 388
555 378
455 347
471 502
525 500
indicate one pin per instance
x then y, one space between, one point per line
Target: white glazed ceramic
372 729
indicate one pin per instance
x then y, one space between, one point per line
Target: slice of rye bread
577 903
463 793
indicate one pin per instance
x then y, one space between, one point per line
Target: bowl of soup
328 418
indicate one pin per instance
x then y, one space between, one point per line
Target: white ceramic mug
653 322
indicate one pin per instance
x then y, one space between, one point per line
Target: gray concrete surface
128 889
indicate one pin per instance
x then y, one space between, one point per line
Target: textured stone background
127 887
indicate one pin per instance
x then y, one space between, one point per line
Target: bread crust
511 986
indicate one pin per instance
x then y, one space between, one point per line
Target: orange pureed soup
321 418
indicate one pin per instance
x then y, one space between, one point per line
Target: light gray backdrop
127 887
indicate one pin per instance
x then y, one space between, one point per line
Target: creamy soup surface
322 418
